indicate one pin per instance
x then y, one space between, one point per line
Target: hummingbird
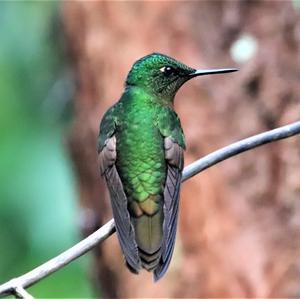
140 155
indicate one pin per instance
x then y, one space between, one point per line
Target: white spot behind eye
165 69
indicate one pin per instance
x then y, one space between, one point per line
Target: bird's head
162 75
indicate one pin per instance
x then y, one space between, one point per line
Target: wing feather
125 230
174 158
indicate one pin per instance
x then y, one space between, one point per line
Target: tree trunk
239 221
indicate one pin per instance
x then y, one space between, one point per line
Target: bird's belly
140 161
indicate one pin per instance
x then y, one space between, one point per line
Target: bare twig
240 147
17 285
22 293
58 262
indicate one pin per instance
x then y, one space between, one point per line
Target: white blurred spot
296 4
244 48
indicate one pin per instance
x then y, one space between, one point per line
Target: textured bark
239 222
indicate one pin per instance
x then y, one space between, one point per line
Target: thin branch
240 147
20 283
59 261
19 292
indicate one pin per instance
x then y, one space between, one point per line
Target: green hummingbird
140 154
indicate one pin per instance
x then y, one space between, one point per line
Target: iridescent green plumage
140 147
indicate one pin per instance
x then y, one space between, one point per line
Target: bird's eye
167 70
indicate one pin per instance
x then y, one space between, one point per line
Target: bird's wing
107 156
174 158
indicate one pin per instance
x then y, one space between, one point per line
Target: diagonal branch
20 292
240 147
20 283
58 262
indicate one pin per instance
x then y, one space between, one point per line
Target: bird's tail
149 231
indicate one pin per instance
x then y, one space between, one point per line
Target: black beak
211 72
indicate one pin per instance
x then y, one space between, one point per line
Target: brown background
239 221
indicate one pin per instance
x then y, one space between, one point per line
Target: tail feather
148 229
150 261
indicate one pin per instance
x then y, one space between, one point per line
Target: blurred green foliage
38 209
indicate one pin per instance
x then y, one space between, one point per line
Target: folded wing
174 158
107 158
